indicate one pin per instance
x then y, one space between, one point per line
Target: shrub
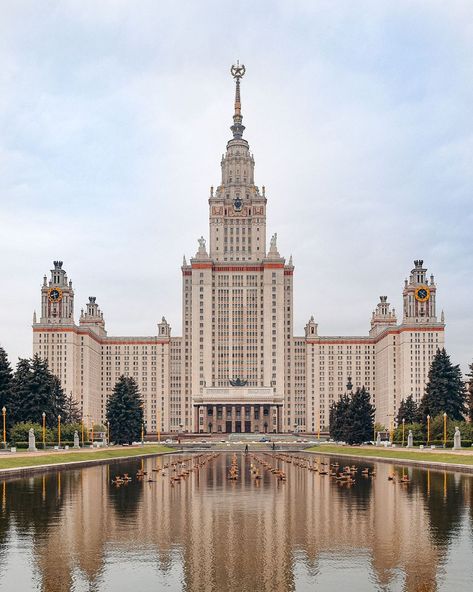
20 433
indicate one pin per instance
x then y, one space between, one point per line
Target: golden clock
422 294
55 294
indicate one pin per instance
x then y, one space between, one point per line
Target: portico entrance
238 410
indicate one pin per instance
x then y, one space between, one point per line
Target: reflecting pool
76 530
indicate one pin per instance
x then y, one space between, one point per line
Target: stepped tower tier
57 298
419 296
237 208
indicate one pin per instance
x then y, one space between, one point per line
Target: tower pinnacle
237 71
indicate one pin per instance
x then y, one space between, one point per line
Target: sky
114 116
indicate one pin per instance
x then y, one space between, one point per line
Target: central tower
237 208
237 304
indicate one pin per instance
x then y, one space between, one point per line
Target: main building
238 366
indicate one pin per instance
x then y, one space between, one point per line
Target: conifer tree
72 410
469 393
125 412
337 418
37 390
360 418
445 390
6 385
409 411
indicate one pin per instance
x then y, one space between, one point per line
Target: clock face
237 204
55 294
422 294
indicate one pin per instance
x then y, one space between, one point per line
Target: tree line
352 416
32 389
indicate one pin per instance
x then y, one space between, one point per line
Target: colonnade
237 418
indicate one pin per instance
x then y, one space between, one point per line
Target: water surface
75 530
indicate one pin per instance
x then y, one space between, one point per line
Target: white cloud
115 115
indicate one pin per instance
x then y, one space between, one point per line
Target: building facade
237 366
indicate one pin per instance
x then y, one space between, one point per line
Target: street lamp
59 431
428 429
158 422
108 433
82 430
44 430
142 433
403 426
4 413
445 430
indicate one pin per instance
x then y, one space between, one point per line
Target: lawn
10 462
427 456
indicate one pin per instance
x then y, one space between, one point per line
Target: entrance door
228 427
247 426
238 427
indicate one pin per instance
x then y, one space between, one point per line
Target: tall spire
237 71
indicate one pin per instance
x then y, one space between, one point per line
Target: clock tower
419 296
57 298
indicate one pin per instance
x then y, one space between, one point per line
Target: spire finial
237 71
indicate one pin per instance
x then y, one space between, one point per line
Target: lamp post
44 430
142 433
445 430
158 422
82 431
318 432
108 433
403 426
391 430
428 429
4 413
59 431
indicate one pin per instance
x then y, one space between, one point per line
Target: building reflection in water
79 532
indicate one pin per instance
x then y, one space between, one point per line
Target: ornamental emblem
238 70
238 382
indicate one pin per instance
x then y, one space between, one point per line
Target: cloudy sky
114 116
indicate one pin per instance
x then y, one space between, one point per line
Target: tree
125 412
337 418
6 384
445 390
37 390
408 411
469 393
72 410
360 417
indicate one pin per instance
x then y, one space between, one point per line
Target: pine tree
72 410
469 393
409 411
337 418
37 390
6 387
360 418
125 412
445 390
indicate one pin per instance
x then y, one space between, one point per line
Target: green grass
10 462
441 457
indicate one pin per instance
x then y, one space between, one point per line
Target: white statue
457 440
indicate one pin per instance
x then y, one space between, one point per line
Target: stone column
214 419
261 419
224 419
252 418
242 416
273 414
233 418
